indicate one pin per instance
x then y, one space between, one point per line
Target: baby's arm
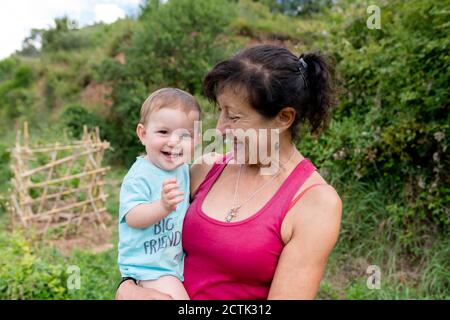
144 215
169 285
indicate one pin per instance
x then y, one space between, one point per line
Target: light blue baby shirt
147 254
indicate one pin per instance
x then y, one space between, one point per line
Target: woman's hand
128 290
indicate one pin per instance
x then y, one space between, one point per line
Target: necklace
233 211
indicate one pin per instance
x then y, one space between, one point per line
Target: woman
248 235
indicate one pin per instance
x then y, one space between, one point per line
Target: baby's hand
171 194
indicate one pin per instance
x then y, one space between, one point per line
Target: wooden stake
66 178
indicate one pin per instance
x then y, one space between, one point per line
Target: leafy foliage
392 123
15 79
29 272
385 151
74 117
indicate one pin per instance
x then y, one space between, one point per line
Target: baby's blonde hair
168 98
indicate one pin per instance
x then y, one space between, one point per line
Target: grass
370 236
29 270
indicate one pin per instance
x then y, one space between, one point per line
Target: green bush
27 272
15 96
297 7
23 275
7 67
75 117
64 36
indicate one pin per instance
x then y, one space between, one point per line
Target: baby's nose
173 140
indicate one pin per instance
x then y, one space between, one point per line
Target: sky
18 17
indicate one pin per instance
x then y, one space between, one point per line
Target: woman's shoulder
200 168
316 203
320 209
318 194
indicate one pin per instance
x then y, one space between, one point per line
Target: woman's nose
222 124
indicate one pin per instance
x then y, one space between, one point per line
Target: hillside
385 150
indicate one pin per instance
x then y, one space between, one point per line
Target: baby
154 195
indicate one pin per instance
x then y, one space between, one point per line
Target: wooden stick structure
58 185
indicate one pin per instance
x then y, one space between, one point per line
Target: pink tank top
237 260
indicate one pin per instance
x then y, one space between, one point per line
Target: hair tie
302 67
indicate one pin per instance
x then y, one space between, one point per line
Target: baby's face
169 137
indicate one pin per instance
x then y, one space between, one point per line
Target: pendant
231 215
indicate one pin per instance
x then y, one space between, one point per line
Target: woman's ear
140 131
285 118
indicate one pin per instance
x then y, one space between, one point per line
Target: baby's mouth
172 155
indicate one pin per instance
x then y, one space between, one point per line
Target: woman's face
244 126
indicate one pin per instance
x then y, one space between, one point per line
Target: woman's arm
128 290
315 228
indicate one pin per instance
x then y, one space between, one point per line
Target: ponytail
320 90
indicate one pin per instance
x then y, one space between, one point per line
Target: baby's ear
140 131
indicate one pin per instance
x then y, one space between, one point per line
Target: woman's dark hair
274 78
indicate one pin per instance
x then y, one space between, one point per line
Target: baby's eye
186 136
162 131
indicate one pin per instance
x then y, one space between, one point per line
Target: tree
296 7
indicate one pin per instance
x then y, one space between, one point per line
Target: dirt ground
88 237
